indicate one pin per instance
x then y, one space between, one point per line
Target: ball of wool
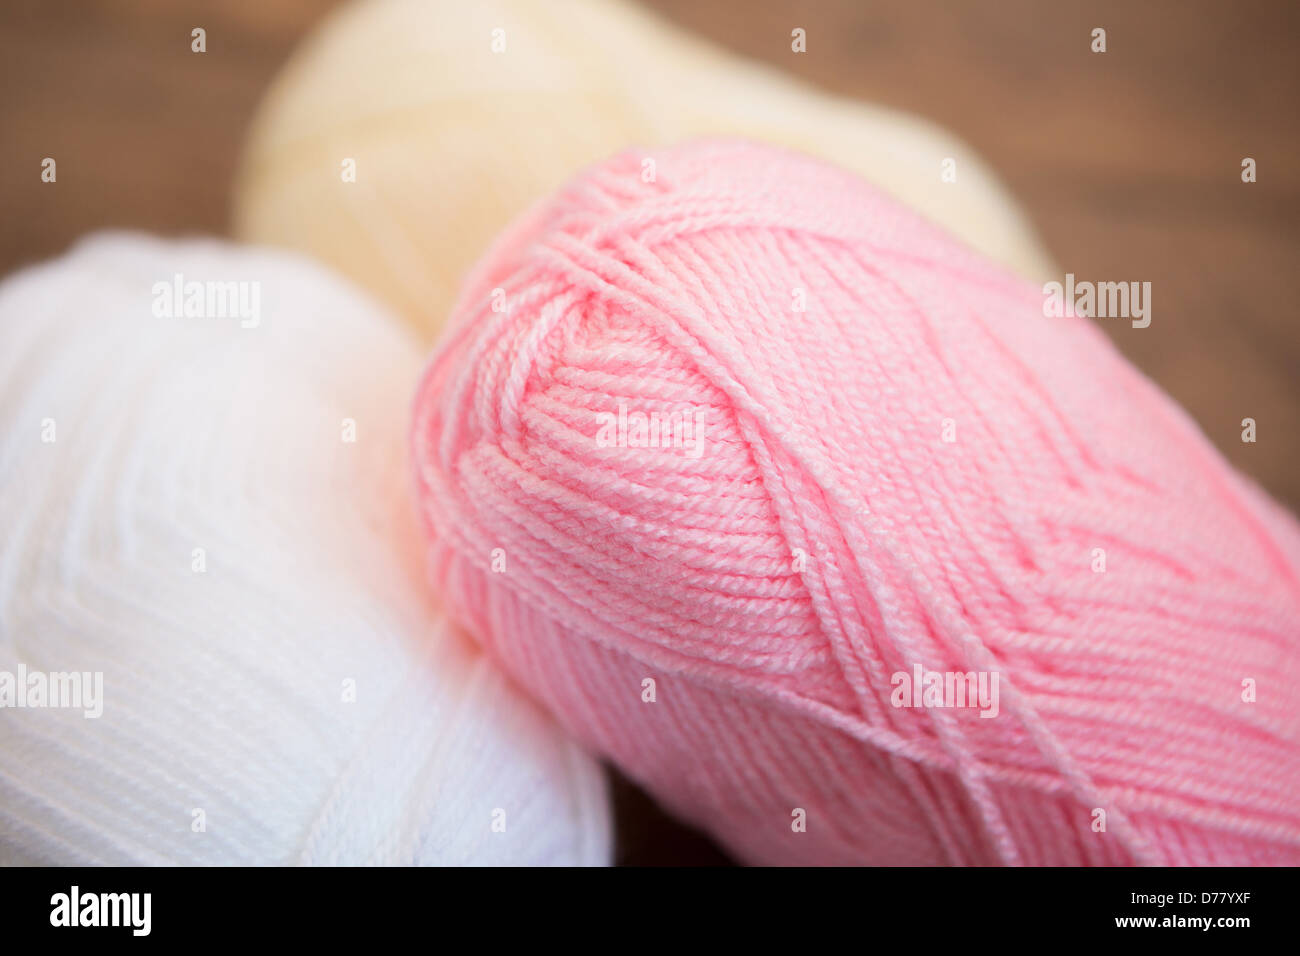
734 469
215 642
406 133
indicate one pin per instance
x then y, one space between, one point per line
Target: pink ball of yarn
884 466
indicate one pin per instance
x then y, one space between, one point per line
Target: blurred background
1129 163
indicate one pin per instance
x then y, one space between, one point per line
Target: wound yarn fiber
405 134
205 501
882 463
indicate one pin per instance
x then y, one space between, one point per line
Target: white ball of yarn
229 734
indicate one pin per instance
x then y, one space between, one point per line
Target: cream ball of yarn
405 134
206 516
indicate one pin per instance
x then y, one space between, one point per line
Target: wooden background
1128 162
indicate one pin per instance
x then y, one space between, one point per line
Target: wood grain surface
1128 162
